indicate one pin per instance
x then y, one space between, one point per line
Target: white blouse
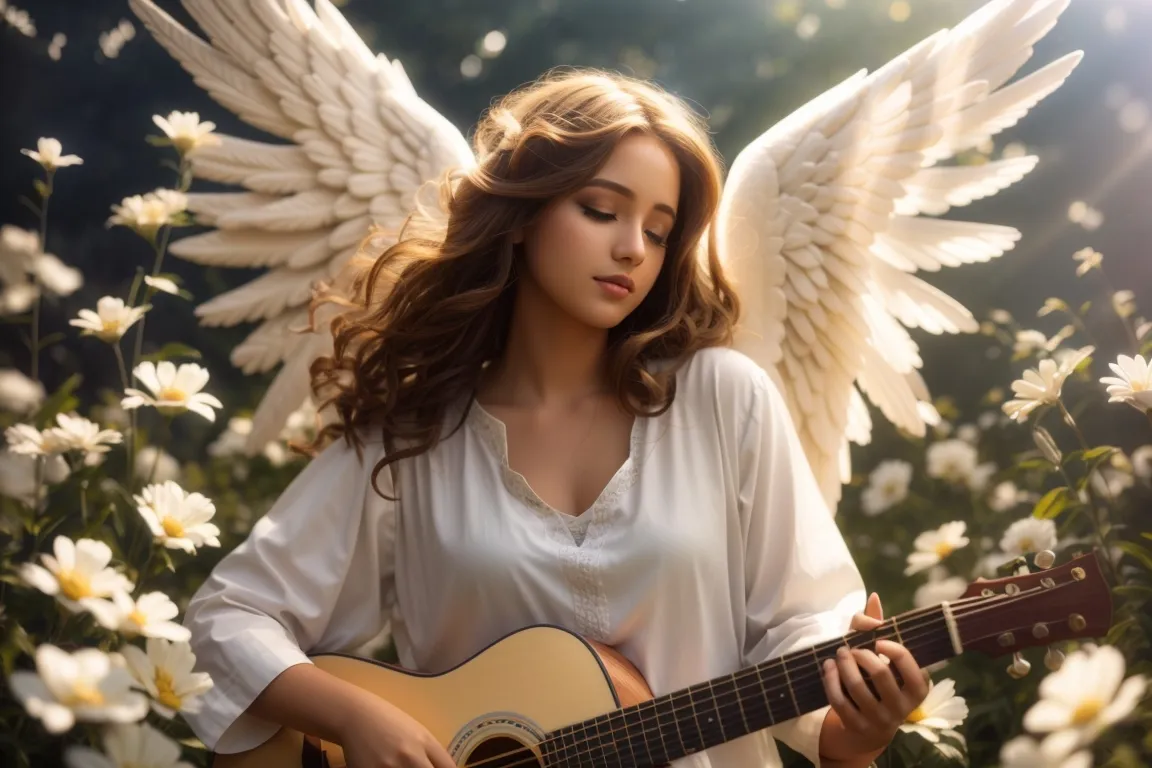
710 550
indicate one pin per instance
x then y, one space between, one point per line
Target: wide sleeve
801 583
315 575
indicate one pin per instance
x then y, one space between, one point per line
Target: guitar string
908 631
808 682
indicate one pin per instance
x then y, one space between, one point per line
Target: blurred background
89 74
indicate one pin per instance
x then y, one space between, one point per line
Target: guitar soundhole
502 752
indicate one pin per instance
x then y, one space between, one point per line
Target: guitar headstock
1007 615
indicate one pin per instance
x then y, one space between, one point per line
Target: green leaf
1133 590
1147 536
1034 464
158 141
1051 505
1099 452
50 339
170 350
60 401
1133 549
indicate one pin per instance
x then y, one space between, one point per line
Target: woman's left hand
873 719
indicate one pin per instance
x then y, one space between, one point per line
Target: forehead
647 166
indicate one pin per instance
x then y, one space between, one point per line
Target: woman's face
596 253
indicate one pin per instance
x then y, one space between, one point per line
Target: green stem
130 438
1093 502
45 197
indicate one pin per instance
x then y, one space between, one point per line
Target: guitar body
504 698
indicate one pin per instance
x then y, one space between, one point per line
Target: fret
611 737
896 629
775 695
546 754
626 738
668 727
641 722
740 680
693 730
808 688
567 745
597 742
582 751
728 700
755 702
791 690
705 707
719 712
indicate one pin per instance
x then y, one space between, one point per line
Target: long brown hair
429 312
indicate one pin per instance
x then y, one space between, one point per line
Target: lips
623 281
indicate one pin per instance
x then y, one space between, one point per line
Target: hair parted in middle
422 319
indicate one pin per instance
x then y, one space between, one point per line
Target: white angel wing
819 224
361 144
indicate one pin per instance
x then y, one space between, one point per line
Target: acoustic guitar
543 697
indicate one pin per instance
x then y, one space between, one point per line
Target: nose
630 244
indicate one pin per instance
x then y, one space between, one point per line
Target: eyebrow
628 193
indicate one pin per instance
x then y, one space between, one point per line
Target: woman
539 423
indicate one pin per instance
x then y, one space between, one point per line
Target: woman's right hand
381 735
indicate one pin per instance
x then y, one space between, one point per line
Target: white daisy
1029 535
150 615
941 710
178 519
156 464
1089 258
75 433
231 441
1004 496
18 393
1085 696
1124 303
166 673
1142 462
1132 383
77 575
951 460
1110 482
1026 752
185 131
87 685
163 284
887 486
18 475
26 440
934 546
48 154
56 276
128 746
147 213
110 320
1028 342
1042 385
173 390
938 590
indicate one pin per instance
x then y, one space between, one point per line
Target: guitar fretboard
705 715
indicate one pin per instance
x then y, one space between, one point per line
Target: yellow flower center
74 584
111 328
1087 710
916 715
1026 544
83 694
943 549
165 693
137 618
172 394
173 529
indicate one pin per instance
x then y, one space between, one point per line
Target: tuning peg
1044 559
1019 667
1053 659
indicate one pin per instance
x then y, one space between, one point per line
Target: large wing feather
361 145
820 224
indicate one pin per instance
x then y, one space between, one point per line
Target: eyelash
596 215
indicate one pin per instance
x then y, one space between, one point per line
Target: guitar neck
705 715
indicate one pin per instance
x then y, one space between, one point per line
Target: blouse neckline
494 434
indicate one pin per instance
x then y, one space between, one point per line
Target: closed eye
597 215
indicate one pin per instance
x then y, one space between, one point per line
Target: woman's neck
549 358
